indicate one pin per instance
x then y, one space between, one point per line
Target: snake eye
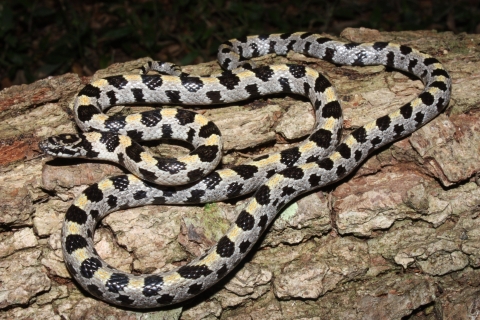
64 145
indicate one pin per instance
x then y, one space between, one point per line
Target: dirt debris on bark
397 239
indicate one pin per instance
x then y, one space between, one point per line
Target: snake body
277 178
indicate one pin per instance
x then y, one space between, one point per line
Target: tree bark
400 237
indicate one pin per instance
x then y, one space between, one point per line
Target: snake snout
63 145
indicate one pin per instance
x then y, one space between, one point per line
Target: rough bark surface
398 239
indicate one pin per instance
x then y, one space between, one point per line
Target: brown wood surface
398 239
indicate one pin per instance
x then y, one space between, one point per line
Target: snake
274 179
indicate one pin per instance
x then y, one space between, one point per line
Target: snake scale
276 178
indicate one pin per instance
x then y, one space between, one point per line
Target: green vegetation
42 38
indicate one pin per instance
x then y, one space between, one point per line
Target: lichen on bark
398 238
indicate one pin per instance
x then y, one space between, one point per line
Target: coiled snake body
277 178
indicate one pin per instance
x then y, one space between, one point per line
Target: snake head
63 146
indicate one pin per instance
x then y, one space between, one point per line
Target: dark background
42 38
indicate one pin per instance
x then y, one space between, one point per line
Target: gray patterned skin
309 166
123 149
